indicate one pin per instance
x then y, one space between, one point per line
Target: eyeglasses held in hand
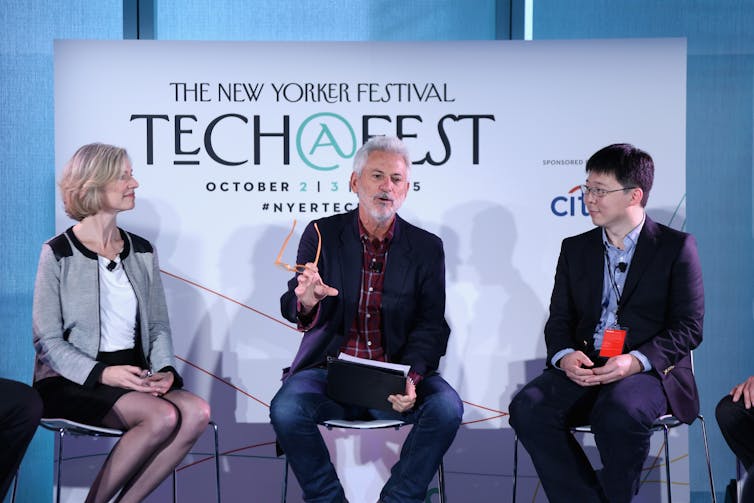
297 267
599 192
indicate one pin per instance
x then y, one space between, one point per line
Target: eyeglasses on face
599 192
297 267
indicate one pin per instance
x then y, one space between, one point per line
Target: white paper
375 363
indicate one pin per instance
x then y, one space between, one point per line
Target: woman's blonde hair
84 177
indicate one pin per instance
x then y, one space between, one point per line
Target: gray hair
390 144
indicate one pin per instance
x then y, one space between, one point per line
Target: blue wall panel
27 173
336 20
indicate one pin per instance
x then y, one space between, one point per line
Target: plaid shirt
364 336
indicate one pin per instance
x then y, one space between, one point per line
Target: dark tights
159 433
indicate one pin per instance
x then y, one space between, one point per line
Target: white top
117 307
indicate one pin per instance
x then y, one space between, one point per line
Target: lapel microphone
375 267
622 266
112 265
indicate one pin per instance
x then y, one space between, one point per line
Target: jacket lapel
594 260
350 267
646 249
398 261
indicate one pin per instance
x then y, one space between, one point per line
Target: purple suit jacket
662 305
414 329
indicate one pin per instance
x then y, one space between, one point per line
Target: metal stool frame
65 426
375 424
664 424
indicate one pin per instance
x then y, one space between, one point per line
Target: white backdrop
232 141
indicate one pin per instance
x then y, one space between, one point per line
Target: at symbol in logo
323 140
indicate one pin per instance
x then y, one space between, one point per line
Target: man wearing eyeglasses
371 285
626 311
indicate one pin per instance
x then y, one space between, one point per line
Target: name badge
612 341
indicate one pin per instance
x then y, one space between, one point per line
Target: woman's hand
126 376
160 383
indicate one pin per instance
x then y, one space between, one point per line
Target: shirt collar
364 236
631 238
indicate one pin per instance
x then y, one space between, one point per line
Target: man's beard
386 214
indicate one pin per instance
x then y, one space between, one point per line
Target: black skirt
68 400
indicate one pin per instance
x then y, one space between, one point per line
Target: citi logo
570 205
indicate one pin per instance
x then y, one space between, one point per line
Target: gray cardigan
65 316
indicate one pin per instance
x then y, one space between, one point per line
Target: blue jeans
301 403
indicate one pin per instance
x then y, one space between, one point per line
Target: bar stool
374 424
15 488
65 427
662 423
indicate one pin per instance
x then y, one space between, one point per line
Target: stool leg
217 459
515 466
709 463
15 488
285 482
61 434
441 482
667 463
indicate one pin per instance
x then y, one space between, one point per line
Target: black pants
620 414
737 425
20 412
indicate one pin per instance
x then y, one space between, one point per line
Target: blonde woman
104 354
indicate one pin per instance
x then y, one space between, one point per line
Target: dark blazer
414 329
662 305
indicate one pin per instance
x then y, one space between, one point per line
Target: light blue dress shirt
612 287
